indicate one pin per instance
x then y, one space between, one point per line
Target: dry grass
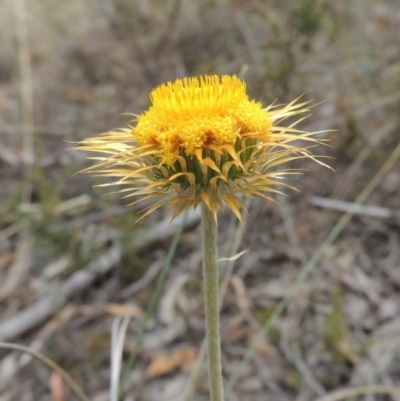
69 69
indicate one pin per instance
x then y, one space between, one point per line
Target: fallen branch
342 206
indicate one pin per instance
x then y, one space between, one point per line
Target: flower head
202 140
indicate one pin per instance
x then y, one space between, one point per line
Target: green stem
211 291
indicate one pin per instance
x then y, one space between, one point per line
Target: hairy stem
211 290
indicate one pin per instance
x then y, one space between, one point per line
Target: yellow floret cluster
194 113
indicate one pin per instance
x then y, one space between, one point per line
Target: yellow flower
202 140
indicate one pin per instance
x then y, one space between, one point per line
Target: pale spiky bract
202 140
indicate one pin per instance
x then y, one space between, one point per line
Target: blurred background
72 261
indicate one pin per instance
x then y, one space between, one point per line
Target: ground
74 263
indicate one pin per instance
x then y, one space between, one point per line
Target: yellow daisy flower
202 140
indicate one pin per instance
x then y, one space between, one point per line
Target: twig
342 206
355 391
52 365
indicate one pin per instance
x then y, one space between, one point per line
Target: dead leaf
263 347
165 362
240 292
236 331
77 95
346 349
360 282
123 310
78 203
56 387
